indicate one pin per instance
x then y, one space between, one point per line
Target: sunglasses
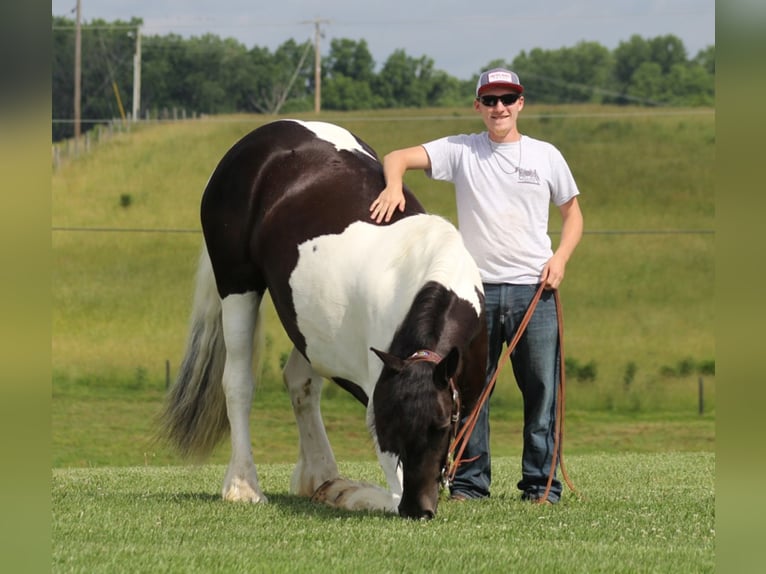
491 101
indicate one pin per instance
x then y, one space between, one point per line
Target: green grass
96 423
636 513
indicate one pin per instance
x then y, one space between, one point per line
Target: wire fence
105 129
182 231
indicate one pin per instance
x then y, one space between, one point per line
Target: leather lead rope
464 434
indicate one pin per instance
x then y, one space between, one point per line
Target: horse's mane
423 324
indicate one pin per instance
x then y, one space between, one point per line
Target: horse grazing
393 313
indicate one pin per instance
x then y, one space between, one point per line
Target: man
504 182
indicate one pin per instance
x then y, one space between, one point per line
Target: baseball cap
498 78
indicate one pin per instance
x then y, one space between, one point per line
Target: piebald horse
392 312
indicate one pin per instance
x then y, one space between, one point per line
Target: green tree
106 69
348 76
667 51
565 75
259 94
628 56
656 71
689 85
62 80
445 90
342 93
204 85
349 59
647 85
405 81
706 59
292 75
212 75
158 56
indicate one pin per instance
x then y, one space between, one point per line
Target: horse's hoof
241 491
353 495
327 492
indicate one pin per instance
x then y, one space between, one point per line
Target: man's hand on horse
385 204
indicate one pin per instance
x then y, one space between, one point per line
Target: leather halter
433 357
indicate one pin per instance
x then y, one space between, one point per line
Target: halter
433 357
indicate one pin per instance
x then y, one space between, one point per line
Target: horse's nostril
418 514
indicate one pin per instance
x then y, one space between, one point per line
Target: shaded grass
639 513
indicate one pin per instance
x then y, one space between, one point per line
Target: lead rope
455 460
558 433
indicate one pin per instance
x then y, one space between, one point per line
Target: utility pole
77 74
137 77
317 62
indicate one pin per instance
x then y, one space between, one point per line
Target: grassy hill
638 296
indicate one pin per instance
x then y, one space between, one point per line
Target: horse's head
416 406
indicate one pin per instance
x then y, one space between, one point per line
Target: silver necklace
496 153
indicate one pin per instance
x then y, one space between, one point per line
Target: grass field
638 311
98 423
638 513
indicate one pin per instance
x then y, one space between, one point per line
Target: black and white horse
393 313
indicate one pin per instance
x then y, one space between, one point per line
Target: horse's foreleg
389 463
355 495
239 319
316 461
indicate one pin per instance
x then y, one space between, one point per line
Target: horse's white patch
352 290
340 137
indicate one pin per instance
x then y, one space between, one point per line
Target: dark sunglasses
491 101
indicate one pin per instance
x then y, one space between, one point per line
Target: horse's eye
441 426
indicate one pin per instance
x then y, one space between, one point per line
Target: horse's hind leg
316 461
240 314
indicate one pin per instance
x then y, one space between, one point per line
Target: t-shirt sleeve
444 155
563 186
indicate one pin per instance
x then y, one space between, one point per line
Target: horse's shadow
286 503
302 506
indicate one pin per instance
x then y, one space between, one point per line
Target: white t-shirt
503 195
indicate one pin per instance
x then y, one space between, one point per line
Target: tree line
213 75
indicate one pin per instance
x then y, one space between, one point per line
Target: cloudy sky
461 37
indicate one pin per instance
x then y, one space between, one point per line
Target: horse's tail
194 420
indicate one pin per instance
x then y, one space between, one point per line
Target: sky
460 37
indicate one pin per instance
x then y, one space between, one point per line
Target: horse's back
279 186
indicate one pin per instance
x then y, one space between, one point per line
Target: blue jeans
536 369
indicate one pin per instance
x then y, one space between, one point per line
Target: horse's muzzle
424 511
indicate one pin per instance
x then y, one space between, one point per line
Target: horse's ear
389 360
447 368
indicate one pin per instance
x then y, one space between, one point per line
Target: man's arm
571 232
395 164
